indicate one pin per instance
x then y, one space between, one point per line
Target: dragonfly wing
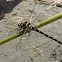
14 31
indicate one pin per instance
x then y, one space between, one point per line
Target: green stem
9 38
47 21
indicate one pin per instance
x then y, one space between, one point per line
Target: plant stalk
45 22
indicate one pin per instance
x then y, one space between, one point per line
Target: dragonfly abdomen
45 34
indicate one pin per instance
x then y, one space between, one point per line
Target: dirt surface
34 47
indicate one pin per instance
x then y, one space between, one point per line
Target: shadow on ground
7 7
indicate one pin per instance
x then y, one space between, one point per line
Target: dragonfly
25 26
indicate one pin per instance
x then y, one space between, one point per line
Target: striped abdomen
45 34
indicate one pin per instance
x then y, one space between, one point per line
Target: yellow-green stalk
47 21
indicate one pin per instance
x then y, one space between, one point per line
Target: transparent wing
14 31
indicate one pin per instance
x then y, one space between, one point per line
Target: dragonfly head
22 25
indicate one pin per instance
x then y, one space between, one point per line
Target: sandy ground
34 47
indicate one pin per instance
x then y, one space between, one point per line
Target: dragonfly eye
19 25
26 22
